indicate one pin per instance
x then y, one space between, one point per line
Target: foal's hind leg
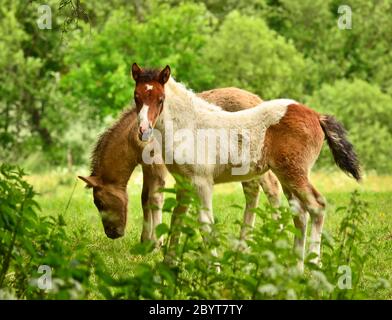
300 221
316 208
315 205
251 192
301 194
270 184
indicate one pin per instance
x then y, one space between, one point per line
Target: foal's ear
91 181
136 71
164 75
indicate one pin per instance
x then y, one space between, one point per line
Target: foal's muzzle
145 131
114 233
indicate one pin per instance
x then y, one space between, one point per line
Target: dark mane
104 139
148 75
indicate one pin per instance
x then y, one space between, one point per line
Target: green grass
56 188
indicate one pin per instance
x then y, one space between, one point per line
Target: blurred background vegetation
60 87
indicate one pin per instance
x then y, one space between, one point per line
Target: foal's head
149 97
111 202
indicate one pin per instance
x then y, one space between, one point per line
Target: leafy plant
264 267
29 240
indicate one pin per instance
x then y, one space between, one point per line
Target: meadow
65 75
61 192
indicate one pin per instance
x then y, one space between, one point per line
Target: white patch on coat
186 110
149 87
143 114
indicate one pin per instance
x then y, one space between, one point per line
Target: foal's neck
181 99
117 151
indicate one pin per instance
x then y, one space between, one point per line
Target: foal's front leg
152 201
251 191
204 189
179 211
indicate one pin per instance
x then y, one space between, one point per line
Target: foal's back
231 99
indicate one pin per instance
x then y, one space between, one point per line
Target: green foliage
30 99
361 52
169 36
365 112
367 46
60 86
350 246
220 8
312 27
246 54
265 267
29 240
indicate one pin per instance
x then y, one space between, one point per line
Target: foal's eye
98 203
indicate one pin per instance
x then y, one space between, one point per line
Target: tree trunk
42 131
139 10
69 160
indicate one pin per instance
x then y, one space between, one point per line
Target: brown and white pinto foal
284 136
118 151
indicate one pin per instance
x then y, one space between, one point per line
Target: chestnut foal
282 135
119 151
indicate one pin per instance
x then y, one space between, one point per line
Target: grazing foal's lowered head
113 160
149 97
111 203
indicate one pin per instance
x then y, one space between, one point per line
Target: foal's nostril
145 133
113 233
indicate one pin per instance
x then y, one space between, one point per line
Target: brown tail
342 150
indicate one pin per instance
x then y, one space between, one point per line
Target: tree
245 53
221 8
100 63
30 65
368 45
360 52
365 112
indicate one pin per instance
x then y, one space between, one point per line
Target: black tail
342 150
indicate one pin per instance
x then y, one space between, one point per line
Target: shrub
29 240
245 53
100 76
365 112
263 268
